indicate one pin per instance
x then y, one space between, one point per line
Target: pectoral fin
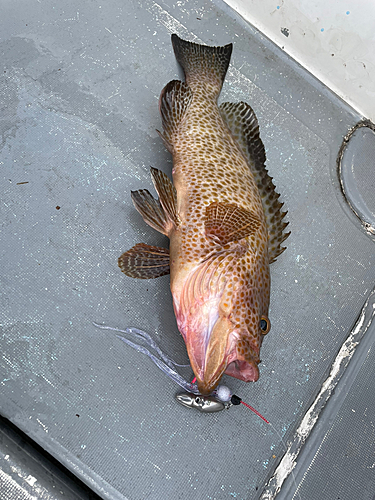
145 261
226 222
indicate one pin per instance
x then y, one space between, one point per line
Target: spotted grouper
222 216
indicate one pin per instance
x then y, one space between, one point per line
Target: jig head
205 404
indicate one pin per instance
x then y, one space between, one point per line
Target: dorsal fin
243 124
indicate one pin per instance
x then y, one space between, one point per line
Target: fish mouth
219 355
210 377
247 371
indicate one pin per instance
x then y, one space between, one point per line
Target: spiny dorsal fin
145 261
226 222
202 63
151 211
175 99
167 194
243 124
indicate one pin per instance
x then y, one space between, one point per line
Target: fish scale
222 216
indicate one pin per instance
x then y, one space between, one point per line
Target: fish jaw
196 324
216 347
231 352
209 370
220 355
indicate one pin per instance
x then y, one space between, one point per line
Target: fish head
223 333
231 350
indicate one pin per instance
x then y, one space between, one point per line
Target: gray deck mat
338 459
79 88
26 473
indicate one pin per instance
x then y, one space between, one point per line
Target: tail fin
201 62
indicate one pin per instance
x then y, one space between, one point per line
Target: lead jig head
205 404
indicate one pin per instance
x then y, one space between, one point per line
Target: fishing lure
219 399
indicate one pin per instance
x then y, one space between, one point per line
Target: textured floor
79 88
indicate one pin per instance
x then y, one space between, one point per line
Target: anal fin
226 222
145 261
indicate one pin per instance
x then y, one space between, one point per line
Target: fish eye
265 325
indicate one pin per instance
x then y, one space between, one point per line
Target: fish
222 216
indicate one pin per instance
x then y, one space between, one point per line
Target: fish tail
202 63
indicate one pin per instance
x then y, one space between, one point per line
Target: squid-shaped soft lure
221 398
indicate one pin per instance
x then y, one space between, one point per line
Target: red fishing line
237 400
255 411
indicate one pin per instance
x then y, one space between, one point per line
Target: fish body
222 216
